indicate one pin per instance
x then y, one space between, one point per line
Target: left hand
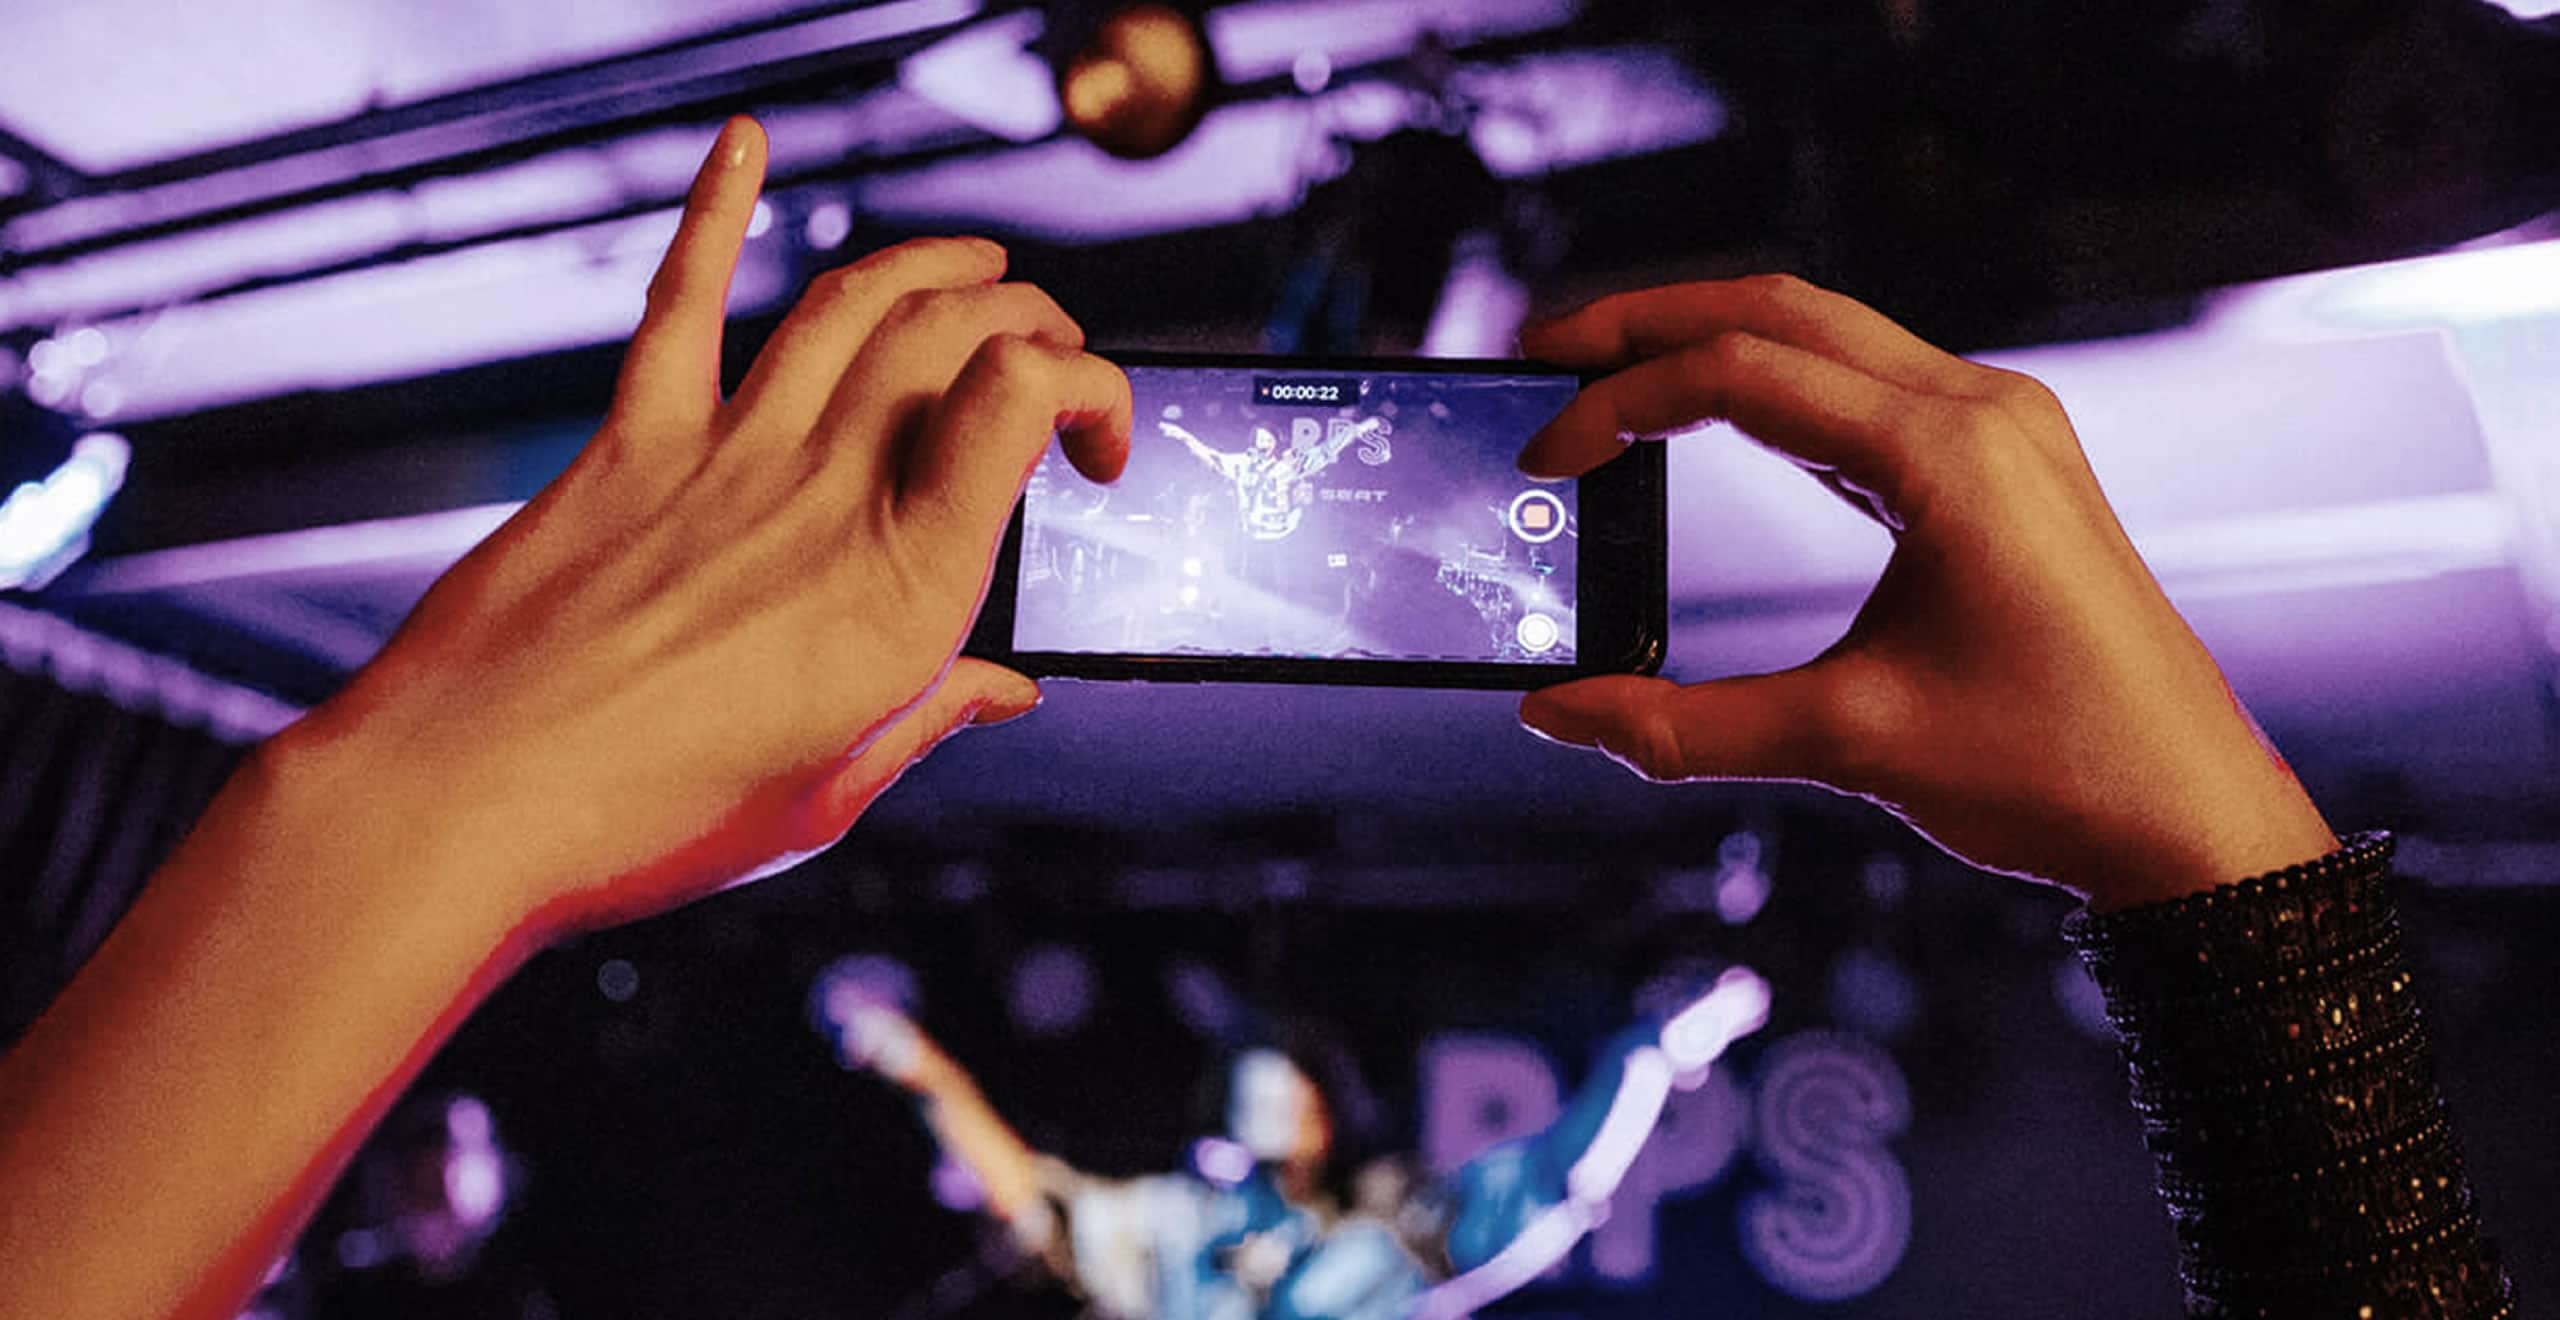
708 645
2017 686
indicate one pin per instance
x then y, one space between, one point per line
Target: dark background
2344 473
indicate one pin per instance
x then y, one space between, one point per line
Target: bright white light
47 358
1535 1251
1191 566
2487 285
44 525
1189 595
475 1185
1699 1034
987 77
2529 9
2446 288
1536 516
760 221
1644 1085
87 346
1221 1161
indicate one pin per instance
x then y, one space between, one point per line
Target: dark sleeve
2287 1089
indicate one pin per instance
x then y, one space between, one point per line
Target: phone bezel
1620 591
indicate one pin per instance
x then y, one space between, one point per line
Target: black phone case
1621 580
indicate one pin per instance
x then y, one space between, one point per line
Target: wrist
2232 828
333 801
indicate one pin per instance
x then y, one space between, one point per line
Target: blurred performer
1283 1219
1272 483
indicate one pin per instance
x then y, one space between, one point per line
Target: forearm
2287 1088
972 1132
167 1126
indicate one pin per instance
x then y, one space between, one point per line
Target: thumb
1761 727
972 692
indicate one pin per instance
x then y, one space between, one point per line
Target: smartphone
1355 521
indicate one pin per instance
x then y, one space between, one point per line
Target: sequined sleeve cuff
2288 1095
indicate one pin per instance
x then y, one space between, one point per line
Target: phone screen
1318 514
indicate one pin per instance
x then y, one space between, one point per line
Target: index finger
1802 404
672 372
1629 327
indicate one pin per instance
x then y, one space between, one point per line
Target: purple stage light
1482 304
1202 999
829 224
32 642
1872 994
1052 992
1251 159
955 1188
212 75
483 304
427 542
987 76
1263 40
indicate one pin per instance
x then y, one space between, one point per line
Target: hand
729 625
868 1030
2017 687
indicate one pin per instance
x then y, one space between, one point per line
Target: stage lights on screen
44 525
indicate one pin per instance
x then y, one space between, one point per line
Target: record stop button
1537 516
1538 633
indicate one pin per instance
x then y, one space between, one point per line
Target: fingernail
1004 712
994 250
1537 466
1556 721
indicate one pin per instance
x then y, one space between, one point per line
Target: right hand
2017 687
730 624
868 1030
